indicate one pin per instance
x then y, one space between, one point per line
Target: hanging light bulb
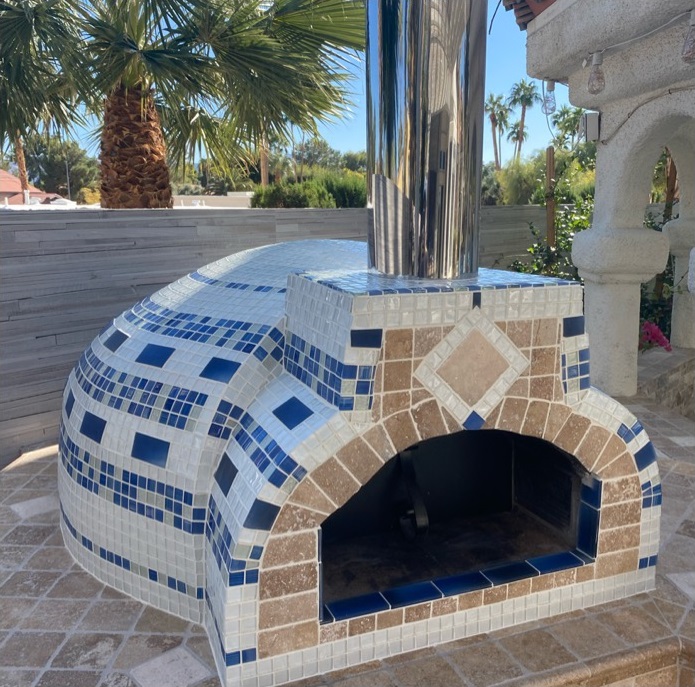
597 79
549 105
688 53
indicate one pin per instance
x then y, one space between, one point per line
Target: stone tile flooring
59 627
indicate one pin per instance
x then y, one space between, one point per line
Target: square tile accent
262 515
114 342
93 426
472 367
69 403
150 449
154 355
292 412
573 326
225 474
220 370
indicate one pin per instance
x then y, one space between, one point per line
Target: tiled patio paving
59 627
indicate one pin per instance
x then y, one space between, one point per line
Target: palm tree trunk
493 125
134 170
522 128
263 155
21 164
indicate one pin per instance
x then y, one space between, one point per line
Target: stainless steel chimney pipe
425 102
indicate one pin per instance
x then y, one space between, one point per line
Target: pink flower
651 335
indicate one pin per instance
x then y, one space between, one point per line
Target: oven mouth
456 514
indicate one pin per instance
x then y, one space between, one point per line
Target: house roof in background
526 10
9 183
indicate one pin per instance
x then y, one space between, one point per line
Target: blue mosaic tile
645 456
292 412
648 562
625 433
136 395
220 370
510 573
357 606
114 342
477 299
261 516
366 338
325 375
69 404
460 584
411 594
591 491
637 428
474 421
587 532
93 426
225 474
555 562
573 326
155 355
150 449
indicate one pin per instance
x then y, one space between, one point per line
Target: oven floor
383 561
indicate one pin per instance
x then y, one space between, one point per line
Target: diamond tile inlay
472 367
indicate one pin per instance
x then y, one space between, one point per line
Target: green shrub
308 194
349 190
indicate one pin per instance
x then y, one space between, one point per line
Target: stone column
613 264
681 236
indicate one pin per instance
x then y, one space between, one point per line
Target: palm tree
217 71
492 107
567 120
523 94
517 135
502 125
37 40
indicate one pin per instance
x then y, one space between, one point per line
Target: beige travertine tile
397 375
513 414
359 458
622 466
621 514
444 606
13 611
139 648
619 490
333 632
520 332
377 437
112 616
614 448
76 585
521 388
536 417
29 649
473 367
154 620
485 664
546 332
388 619
591 448
280 641
494 595
292 548
395 402
429 420
633 625
17 677
537 650
291 579
587 638
544 361
418 612
425 339
610 564
335 481
358 626
543 387
470 600
55 614
288 610
87 650
71 678
572 433
308 494
433 671
627 537
29 583
296 519
401 430
557 416
398 344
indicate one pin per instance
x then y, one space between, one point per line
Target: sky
506 65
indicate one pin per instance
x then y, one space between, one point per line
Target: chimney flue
425 101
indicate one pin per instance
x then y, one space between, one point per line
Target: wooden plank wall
65 274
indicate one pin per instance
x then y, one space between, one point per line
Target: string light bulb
688 53
597 79
549 104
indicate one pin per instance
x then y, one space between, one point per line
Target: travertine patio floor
59 627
